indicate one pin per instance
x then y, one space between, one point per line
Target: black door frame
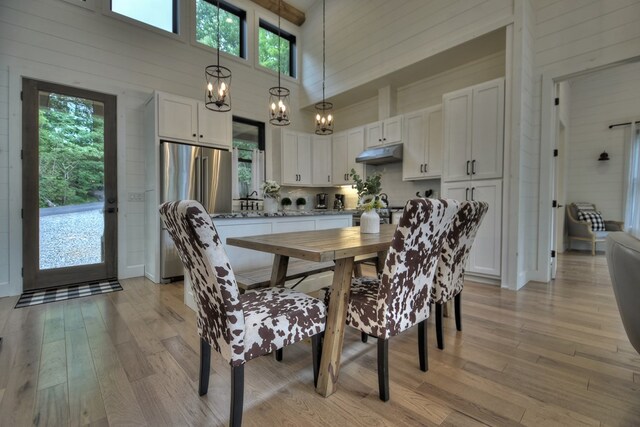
33 277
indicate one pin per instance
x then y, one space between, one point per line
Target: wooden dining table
340 245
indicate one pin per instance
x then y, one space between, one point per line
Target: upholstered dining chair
239 327
386 306
449 277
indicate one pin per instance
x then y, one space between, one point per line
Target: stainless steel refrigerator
195 173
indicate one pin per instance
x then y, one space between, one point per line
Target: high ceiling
302 5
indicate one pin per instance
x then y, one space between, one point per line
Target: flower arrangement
368 191
286 202
270 190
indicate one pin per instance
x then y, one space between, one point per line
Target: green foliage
268 51
301 201
286 201
71 152
207 28
371 186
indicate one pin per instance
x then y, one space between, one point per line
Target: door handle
468 167
466 194
111 210
473 167
328 178
472 190
425 167
205 182
421 167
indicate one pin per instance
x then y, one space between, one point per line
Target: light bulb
209 87
323 120
273 106
330 118
318 117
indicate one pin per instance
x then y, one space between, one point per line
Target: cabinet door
486 253
457 190
289 156
304 159
456 107
339 154
374 134
214 128
414 146
321 159
355 144
392 130
177 117
433 149
488 130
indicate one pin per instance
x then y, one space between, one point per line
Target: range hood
381 155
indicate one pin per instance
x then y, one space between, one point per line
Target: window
268 49
161 14
632 214
248 135
232 27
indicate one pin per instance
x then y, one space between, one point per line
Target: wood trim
288 12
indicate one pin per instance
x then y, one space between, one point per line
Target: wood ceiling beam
287 11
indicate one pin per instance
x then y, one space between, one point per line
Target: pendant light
279 96
217 96
324 115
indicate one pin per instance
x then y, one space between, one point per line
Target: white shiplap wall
597 101
58 41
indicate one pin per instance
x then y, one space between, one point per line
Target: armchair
582 230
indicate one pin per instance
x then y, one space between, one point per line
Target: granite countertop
288 213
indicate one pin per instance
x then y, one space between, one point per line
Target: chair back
449 278
407 276
220 314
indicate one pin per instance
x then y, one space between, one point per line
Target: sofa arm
580 229
614 225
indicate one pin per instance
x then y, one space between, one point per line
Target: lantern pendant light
279 109
217 95
324 113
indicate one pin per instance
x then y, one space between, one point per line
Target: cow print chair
386 306
449 278
239 327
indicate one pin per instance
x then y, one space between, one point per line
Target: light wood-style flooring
547 355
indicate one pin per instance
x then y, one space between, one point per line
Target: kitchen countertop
288 213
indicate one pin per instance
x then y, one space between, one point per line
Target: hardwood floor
547 355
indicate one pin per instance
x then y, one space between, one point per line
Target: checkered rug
67 292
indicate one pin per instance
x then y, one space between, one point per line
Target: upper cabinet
422 156
296 158
384 132
321 156
185 119
473 132
346 147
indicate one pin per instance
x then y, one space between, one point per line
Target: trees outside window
232 27
268 49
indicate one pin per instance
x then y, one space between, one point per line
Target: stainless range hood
381 155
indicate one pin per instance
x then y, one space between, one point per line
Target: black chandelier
324 115
278 95
217 96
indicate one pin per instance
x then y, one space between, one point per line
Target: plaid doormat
67 292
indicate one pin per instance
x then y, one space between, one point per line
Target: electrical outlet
136 197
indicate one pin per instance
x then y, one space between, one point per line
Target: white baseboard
6 290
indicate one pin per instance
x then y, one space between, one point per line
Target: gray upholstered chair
449 278
385 306
623 257
239 327
581 230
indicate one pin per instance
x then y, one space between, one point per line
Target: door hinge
555 153
21 96
553 254
557 101
21 213
554 204
22 271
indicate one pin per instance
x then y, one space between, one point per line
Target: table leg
334 333
279 270
382 257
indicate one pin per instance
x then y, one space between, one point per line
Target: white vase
270 205
370 222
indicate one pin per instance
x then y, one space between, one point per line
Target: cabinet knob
201 136
384 139
194 134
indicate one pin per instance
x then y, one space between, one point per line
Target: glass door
69 185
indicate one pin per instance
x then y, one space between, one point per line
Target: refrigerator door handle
198 178
205 181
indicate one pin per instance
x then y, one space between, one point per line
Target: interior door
69 185
558 211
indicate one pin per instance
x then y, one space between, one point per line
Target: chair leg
364 337
439 336
423 352
316 350
205 364
279 355
593 248
383 369
237 396
457 300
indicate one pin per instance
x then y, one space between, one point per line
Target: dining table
341 245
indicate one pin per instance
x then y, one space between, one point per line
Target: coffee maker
322 199
338 203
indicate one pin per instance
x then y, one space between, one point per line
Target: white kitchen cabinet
296 158
473 132
384 132
322 160
185 119
422 152
346 147
485 256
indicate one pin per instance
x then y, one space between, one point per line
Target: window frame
176 22
291 38
233 9
261 136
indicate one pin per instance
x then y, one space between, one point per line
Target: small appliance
322 200
338 203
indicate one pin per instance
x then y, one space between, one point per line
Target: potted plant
301 202
369 200
270 195
286 203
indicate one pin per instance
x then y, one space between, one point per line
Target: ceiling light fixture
278 95
217 96
324 114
